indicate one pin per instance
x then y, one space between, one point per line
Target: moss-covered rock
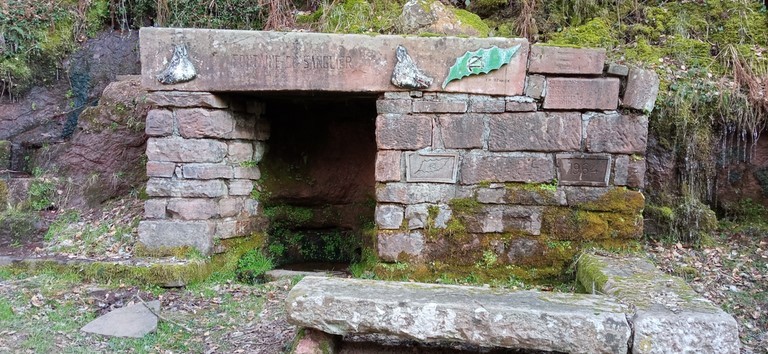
431 16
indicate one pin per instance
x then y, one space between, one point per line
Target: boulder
561 322
133 321
433 17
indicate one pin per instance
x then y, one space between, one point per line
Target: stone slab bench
574 323
667 316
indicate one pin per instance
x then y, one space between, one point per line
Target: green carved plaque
481 61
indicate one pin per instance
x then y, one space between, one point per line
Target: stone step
574 323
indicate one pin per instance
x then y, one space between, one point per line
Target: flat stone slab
226 60
133 321
669 316
561 322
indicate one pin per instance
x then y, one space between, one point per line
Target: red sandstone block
403 132
203 123
155 208
642 89
186 99
520 106
159 122
507 167
485 104
578 93
388 166
206 171
561 60
252 173
239 151
462 131
175 149
616 133
160 169
394 106
439 106
166 187
535 131
192 209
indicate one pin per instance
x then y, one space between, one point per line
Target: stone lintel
574 323
228 60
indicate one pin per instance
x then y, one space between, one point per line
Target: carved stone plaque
583 170
431 167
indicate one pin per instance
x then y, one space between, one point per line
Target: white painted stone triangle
132 321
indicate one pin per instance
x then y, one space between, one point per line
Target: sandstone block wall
202 158
522 177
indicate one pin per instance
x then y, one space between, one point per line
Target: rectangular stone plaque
227 60
431 167
583 170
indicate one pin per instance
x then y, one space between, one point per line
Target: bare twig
162 317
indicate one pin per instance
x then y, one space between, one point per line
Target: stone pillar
202 161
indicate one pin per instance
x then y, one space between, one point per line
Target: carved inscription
421 167
283 62
583 170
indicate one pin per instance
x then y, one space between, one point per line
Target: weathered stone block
399 245
431 167
504 218
394 106
581 225
229 207
160 169
203 123
617 69
522 194
551 131
389 216
175 149
403 132
166 235
206 171
310 341
563 60
166 187
414 193
155 208
507 167
388 166
559 322
252 173
578 93
418 216
193 208
616 133
617 200
520 107
642 90
486 104
159 122
667 315
186 99
240 187
462 131
227 229
259 148
239 151
579 169
421 106
535 86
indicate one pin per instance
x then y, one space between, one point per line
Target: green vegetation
252 266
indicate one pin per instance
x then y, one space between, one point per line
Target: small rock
132 321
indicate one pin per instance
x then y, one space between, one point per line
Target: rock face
481 316
669 316
115 126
